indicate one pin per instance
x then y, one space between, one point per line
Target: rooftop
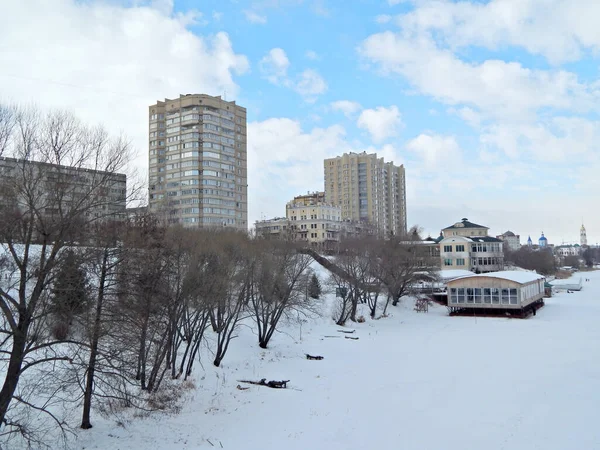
465 224
518 276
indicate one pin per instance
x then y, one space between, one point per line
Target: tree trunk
89 382
13 371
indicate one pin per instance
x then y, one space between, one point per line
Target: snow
454 273
412 381
518 276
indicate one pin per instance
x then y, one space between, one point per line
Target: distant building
466 245
109 200
542 241
308 219
583 236
512 240
367 189
529 242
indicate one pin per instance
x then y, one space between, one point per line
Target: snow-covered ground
412 381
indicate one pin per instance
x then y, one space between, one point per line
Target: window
477 295
514 300
470 295
460 262
505 297
447 262
460 248
448 249
453 295
461 295
495 296
487 295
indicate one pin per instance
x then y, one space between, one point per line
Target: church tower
582 236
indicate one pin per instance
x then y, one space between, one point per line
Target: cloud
471 117
217 16
107 63
284 160
254 17
383 18
559 30
497 88
559 139
436 150
312 55
310 85
274 65
380 122
397 2
347 107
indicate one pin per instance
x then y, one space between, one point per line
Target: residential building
76 184
367 189
511 240
466 245
313 220
308 219
198 161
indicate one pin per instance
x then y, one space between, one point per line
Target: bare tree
278 286
400 263
45 207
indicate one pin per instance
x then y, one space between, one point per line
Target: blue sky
492 106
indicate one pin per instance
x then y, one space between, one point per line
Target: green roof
465 224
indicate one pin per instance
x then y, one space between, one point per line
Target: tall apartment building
367 189
198 161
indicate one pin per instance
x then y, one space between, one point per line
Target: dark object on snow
272 384
242 388
332 336
344 331
318 358
350 337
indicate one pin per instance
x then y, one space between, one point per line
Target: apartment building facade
198 161
367 189
308 219
101 194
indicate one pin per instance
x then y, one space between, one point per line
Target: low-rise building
509 290
308 219
466 245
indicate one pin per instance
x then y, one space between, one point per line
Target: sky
491 106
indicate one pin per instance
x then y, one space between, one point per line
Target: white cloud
380 122
284 160
347 107
497 88
274 65
436 150
310 85
312 55
397 2
254 17
557 29
470 116
559 139
217 16
383 18
113 64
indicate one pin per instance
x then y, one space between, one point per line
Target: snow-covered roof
518 276
454 273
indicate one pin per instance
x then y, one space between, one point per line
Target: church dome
543 238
